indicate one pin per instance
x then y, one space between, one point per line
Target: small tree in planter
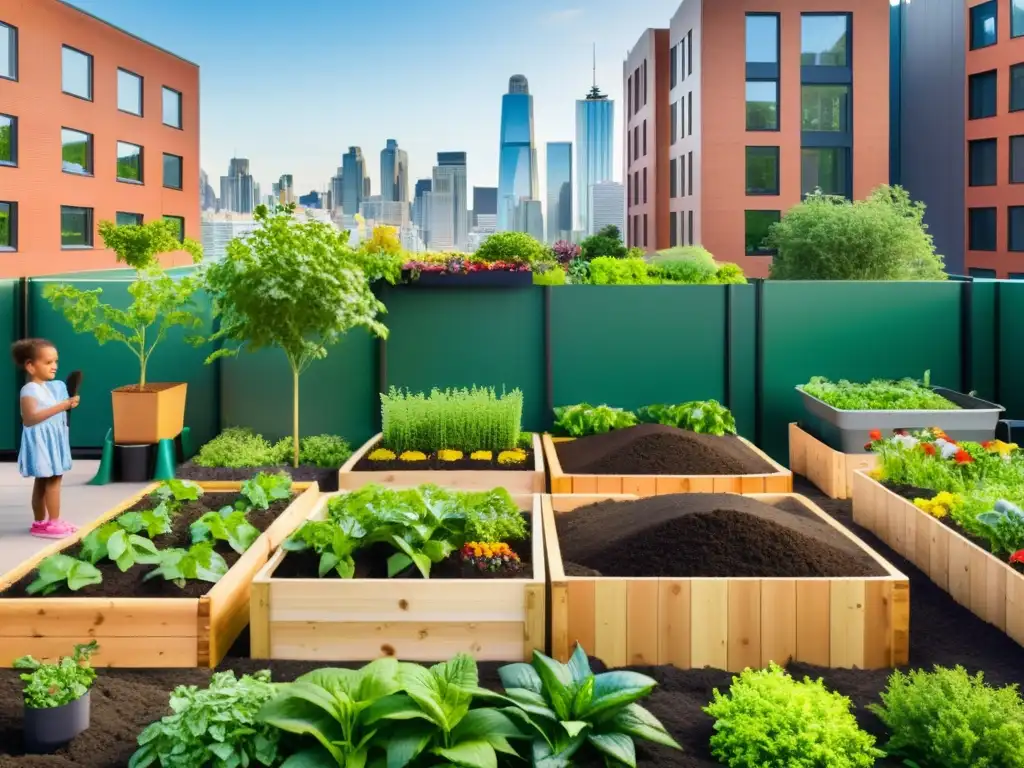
56 698
143 412
294 285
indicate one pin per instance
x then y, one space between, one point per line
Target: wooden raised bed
974 577
412 619
525 481
827 468
727 623
779 481
143 631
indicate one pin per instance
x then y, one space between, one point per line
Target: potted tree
56 698
144 412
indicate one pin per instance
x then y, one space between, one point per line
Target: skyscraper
237 192
517 158
607 206
336 190
353 171
450 179
485 201
559 178
394 173
286 189
595 120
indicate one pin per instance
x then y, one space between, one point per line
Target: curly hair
26 351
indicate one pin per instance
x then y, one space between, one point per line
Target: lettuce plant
584 419
55 685
173 493
708 417
1004 527
63 570
335 540
111 541
197 563
264 489
878 395
228 525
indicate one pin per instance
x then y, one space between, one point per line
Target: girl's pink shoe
46 529
64 525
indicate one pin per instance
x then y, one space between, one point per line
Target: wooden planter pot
140 631
727 623
826 467
525 481
148 416
779 481
411 619
974 577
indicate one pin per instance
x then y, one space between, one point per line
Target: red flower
986 444
928 448
963 457
867 446
1017 557
875 435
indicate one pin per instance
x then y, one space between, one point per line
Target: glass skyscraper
517 159
595 118
559 180
394 172
352 175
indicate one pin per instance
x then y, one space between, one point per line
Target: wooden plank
85 617
744 624
778 621
797 450
582 615
1015 606
559 642
259 621
642 617
709 623
878 624
830 470
289 520
120 652
900 617
535 626
959 569
813 622
674 622
640 485
847 623
611 604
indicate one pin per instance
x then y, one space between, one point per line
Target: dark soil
327 479
433 463
653 449
130 583
706 535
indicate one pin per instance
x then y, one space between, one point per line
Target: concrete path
80 504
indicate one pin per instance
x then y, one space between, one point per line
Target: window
629 148
682 117
689 52
645 186
981 163
762 38
8 140
673 184
673 230
129 92
1016 18
682 175
172 107
76 73
76 151
762 170
981 229
683 48
825 108
689 225
645 82
8 226
172 171
1016 88
629 96
674 66
1012 275
636 142
645 138
674 121
629 189
179 224
983 25
762 105
981 94
75 227
129 218
824 40
129 162
636 187
689 115
825 168
8 51
645 230
689 171
983 273
756 229
1017 159
1015 231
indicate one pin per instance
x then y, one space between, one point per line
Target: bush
564 251
730 273
948 719
607 242
511 246
769 719
688 264
459 419
608 270
553 275
240 447
829 238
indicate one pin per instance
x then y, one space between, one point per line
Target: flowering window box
466 273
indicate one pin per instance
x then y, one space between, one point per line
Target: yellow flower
449 455
938 511
481 455
413 456
512 457
381 454
1003 449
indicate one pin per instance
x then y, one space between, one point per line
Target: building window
645 230
762 105
636 142
689 116
757 225
1017 159
179 226
629 96
8 140
673 56
172 171
981 163
762 170
763 38
981 94
824 40
645 82
689 52
674 121
683 48
825 168
1016 88
983 25
673 184
682 117
8 226
129 162
129 92
75 227
1016 18
981 229
129 219
76 151
673 230
645 138
689 226
76 73
689 171
629 189
682 175
645 186
172 107
8 51
1015 228
825 108
636 187
629 147
985 274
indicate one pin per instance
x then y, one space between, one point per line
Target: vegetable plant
55 685
229 525
60 570
198 562
708 417
264 489
335 540
173 493
240 447
585 419
111 541
1004 527
475 419
492 516
878 395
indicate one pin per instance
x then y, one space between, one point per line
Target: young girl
45 446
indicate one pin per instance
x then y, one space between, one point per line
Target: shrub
730 273
466 420
607 270
948 719
324 451
607 242
511 246
694 269
564 251
769 719
553 275
239 447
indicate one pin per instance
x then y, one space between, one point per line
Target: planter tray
826 467
974 577
524 481
412 619
144 632
848 431
490 279
727 623
780 481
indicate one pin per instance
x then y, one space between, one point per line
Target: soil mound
706 535
654 449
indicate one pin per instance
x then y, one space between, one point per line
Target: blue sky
291 85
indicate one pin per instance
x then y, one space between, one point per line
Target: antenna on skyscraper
595 65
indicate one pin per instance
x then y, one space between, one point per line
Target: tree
607 242
511 247
294 285
158 298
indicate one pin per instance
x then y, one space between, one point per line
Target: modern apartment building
95 124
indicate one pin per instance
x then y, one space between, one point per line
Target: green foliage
491 516
829 238
707 417
197 563
1004 527
324 451
228 525
878 395
61 570
467 420
690 264
173 493
54 685
769 719
730 274
264 489
584 419
335 540
512 247
553 275
240 447
949 719
578 271
609 270
111 541
607 242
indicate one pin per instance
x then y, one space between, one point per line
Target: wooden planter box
142 632
525 481
974 577
412 619
727 623
826 467
779 481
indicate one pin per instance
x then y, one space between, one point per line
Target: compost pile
654 449
706 535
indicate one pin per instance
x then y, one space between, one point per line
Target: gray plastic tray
848 431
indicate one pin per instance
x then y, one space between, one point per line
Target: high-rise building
391 213
207 197
559 181
219 229
286 189
450 178
485 202
366 186
530 219
394 172
337 191
353 188
419 206
237 190
517 155
607 206
313 200
595 138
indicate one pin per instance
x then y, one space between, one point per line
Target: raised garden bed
151 623
719 581
829 469
652 460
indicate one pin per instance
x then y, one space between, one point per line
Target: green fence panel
453 337
10 384
851 330
983 339
742 350
1011 351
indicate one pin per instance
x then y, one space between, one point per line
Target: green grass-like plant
878 395
240 447
467 420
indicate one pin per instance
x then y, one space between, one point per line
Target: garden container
849 431
149 415
47 730
489 279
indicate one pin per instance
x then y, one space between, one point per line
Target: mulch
432 463
654 449
327 479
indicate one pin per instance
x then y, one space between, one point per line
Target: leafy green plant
264 489
1004 527
578 271
215 727
584 419
61 570
335 540
54 685
949 719
173 493
111 541
237 447
492 516
467 420
610 270
707 417
511 247
229 525
607 242
324 451
769 719
200 562
877 395
551 275
154 522
729 273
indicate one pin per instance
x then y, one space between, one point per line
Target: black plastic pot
47 730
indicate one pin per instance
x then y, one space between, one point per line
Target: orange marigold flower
928 448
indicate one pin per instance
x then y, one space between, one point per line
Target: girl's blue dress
46 446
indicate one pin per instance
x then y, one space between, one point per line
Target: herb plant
239 447
60 570
54 685
878 395
492 516
585 419
467 420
